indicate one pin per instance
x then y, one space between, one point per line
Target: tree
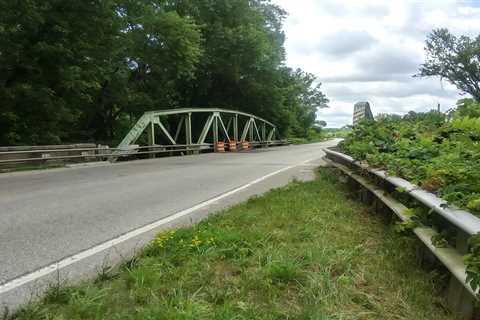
456 59
243 64
51 57
158 49
75 71
303 98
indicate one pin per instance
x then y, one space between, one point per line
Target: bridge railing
39 155
100 152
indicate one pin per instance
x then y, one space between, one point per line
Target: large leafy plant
439 153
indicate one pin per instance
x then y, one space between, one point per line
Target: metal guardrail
460 218
461 298
102 153
106 153
49 147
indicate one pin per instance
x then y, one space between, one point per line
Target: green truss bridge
156 133
192 127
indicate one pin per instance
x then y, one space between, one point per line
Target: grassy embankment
305 251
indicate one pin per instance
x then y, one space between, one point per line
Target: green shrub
439 154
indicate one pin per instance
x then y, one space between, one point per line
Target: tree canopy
456 59
86 70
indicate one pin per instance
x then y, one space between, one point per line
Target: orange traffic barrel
220 147
245 145
232 145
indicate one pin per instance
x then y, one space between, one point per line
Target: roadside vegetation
439 152
305 251
337 132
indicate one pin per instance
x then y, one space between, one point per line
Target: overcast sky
368 50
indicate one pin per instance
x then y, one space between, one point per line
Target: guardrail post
458 298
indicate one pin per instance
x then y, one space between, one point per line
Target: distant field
305 251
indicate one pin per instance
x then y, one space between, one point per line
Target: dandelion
162 238
211 241
196 242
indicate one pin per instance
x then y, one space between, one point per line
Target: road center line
39 273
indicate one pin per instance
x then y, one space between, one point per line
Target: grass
305 251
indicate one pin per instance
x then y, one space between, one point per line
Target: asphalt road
46 216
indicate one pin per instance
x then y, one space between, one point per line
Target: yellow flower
196 242
162 238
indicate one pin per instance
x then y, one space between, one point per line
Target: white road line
35 275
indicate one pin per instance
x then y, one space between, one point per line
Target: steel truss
255 129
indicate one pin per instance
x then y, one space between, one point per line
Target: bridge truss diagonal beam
164 130
179 127
246 129
222 125
205 129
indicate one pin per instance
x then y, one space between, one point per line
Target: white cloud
339 43
370 49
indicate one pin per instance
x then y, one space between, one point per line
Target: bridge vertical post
151 137
251 130
215 130
235 128
188 131
264 131
271 134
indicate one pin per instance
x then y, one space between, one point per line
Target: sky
369 50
